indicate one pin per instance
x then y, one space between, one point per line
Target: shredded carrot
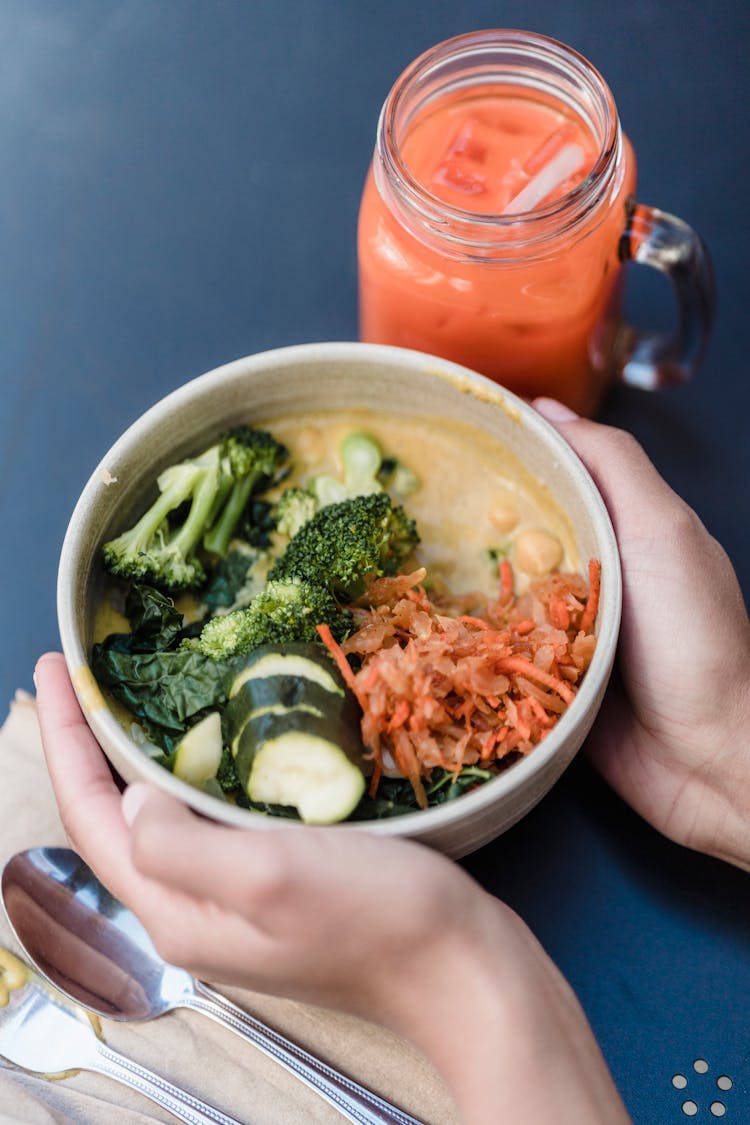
453 689
592 605
506 583
558 613
377 772
524 627
337 653
528 668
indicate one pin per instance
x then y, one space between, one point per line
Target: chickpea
537 552
504 515
12 975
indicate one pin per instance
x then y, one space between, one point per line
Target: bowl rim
105 725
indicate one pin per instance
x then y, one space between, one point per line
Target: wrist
504 1028
724 821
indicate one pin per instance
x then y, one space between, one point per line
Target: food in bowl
345 615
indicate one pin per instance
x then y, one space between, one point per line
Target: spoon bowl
84 941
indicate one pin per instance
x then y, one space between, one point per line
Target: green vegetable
294 508
494 555
168 690
395 796
286 693
226 774
397 478
305 685
154 622
313 765
285 610
366 471
198 753
236 579
199 499
254 457
361 457
347 543
152 551
304 661
257 523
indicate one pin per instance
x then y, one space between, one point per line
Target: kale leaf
166 689
155 623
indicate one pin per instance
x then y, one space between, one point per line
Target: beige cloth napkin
186 1047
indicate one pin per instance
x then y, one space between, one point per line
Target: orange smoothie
539 315
480 153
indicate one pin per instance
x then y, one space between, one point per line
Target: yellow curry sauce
474 496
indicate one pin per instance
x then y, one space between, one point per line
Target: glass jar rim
538 224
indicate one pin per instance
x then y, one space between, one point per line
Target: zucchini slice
269 709
286 692
198 753
314 765
308 661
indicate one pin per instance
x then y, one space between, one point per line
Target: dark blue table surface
179 187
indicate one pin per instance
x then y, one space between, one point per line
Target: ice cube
467 143
458 179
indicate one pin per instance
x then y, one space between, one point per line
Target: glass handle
654 238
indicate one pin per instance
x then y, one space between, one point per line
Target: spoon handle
353 1101
183 1106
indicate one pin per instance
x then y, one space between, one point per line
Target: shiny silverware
42 1031
96 951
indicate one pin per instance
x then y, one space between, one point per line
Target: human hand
673 735
379 927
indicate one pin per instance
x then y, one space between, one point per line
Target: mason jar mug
498 214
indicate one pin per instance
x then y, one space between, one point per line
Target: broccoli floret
152 551
397 478
293 510
346 544
213 489
252 457
361 457
285 611
365 471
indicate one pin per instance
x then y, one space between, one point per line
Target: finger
635 494
87 797
86 793
259 872
232 868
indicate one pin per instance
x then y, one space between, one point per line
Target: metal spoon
94 950
41 1031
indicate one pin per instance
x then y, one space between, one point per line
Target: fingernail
554 411
133 800
37 666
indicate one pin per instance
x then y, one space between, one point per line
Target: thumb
637 497
162 830
200 858
138 795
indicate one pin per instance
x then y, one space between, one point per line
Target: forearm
507 1033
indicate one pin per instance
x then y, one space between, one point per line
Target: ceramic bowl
314 377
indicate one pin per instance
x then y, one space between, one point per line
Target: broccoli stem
177 491
219 537
203 499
